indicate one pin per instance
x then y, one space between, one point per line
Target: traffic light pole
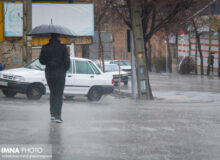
141 67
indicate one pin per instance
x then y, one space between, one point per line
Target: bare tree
155 15
101 9
198 42
158 13
105 16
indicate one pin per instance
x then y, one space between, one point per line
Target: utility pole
144 91
218 41
27 26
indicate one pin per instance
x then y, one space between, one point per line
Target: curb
122 93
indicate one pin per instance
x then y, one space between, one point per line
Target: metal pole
133 68
166 56
24 60
119 76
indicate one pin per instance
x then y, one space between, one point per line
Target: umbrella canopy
46 31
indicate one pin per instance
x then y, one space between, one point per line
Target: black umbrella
46 31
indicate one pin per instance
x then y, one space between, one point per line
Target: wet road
170 128
183 88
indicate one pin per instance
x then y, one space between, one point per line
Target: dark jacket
56 58
211 59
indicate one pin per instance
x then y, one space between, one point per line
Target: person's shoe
58 120
52 118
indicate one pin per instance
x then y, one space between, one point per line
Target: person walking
57 60
211 63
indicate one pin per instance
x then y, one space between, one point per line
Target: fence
183 50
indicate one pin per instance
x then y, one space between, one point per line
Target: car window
35 65
111 68
73 66
71 69
125 63
83 67
94 68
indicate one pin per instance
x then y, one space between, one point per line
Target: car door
70 80
84 77
99 79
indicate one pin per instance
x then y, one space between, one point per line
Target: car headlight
19 78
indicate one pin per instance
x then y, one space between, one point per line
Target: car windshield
35 65
123 63
111 68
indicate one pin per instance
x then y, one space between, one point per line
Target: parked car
97 62
125 65
82 78
113 70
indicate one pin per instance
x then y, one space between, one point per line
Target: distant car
107 61
97 62
125 65
113 70
82 78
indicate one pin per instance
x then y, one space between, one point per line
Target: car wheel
34 92
126 83
95 94
9 93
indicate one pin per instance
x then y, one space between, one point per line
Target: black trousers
212 67
56 86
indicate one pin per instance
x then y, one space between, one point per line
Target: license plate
3 83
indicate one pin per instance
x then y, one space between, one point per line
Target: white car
125 65
82 78
113 70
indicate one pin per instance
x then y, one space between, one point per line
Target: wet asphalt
182 123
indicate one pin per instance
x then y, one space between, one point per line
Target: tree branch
121 16
178 8
153 20
102 13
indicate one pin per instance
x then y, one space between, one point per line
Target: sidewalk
181 88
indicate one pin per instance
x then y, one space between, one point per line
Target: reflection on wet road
121 128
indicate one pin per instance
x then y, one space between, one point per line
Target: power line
200 11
